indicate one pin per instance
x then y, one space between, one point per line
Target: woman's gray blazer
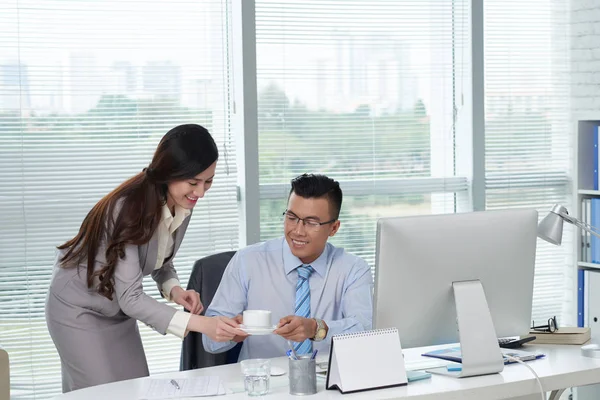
98 339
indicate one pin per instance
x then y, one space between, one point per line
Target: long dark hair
184 152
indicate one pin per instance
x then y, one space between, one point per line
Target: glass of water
256 376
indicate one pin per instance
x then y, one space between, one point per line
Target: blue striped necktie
302 308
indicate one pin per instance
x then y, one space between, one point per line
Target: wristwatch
321 330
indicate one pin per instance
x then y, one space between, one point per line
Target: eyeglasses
551 327
309 223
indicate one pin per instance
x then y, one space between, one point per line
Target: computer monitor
418 258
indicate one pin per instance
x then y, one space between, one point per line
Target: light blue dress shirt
263 277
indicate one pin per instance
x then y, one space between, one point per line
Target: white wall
585 56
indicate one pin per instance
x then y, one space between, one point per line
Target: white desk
563 367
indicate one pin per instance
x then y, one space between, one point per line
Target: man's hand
239 338
189 299
296 329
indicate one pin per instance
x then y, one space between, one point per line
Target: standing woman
96 295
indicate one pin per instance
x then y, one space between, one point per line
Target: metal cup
303 376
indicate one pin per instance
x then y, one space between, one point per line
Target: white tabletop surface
562 367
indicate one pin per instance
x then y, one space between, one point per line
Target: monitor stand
481 354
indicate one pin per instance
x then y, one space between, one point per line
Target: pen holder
303 376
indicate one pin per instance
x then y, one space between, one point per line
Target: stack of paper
176 388
563 335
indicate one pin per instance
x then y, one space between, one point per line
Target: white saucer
258 330
276 371
322 366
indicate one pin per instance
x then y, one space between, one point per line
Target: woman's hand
239 338
189 299
223 329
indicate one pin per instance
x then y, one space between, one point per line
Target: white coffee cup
257 318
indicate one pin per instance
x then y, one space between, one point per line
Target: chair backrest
4 376
205 278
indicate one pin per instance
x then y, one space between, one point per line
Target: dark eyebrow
309 217
194 179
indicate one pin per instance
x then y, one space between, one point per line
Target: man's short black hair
319 186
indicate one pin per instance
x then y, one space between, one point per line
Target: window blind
87 89
364 92
528 132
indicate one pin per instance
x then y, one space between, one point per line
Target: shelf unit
586 128
588 274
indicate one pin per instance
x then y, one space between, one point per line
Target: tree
419 109
515 139
114 106
364 110
272 106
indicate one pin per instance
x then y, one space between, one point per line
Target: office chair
205 278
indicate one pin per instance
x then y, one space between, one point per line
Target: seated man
313 289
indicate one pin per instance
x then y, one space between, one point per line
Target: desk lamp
551 229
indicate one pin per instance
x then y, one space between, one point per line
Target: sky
303 46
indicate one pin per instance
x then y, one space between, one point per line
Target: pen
292 349
289 354
174 383
314 354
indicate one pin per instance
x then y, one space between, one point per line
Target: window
364 92
528 131
323 107
87 90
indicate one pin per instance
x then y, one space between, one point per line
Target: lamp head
551 227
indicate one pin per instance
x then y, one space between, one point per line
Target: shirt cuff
167 286
179 323
334 328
